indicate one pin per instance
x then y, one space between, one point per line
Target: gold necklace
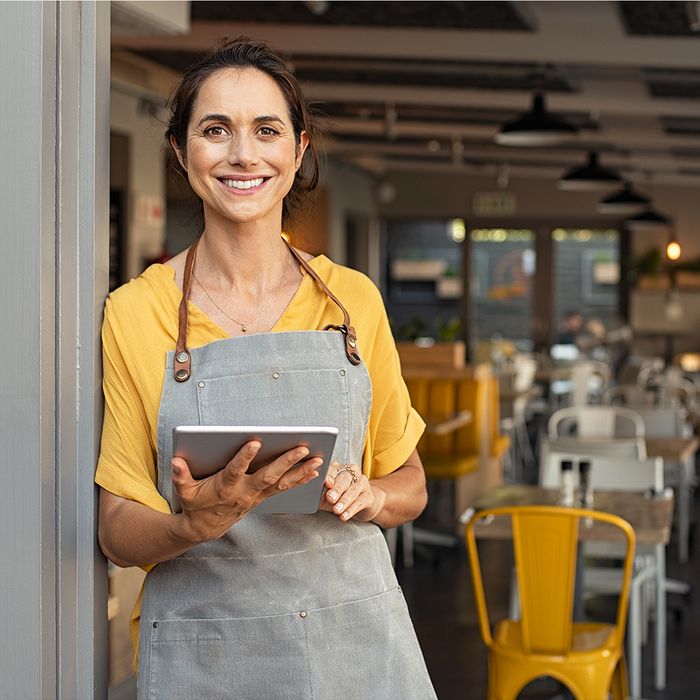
244 325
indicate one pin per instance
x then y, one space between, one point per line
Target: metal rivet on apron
275 375
351 342
200 384
342 372
182 374
302 613
182 357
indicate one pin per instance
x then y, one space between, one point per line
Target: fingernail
254 446
345 516
332 495
302 452
338 507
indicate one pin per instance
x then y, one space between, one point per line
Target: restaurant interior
521 180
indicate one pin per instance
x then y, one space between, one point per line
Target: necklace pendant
244 328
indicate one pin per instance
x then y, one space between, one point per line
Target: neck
246 257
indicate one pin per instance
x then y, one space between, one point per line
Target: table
678 450
674 449
444 425
650 517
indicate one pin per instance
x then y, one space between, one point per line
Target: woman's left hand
350 494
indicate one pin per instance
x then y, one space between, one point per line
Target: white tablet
208 448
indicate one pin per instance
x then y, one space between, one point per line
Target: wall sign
497 203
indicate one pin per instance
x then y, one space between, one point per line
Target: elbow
104 540
421 500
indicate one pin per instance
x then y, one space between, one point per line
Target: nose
243 151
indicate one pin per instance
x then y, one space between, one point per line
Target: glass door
502 269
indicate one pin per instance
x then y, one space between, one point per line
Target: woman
244 329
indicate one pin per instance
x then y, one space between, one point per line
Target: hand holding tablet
207 450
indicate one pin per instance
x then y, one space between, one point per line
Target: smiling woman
244 329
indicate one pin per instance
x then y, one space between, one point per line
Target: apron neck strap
182 366
346 328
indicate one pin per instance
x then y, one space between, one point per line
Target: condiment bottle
567 485
585 485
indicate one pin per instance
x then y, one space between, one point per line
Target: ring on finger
351 470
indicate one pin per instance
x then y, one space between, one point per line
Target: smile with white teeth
243 184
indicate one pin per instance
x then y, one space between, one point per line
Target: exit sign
493 203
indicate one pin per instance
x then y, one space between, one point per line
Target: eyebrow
225 119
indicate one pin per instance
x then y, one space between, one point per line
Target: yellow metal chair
587 657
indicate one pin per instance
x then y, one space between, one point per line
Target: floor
438 591
439 595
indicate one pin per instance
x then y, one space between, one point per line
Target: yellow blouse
140 327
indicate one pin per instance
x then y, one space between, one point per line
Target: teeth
243 184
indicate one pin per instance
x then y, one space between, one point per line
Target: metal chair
587 657
622 473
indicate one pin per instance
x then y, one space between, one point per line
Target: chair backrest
627 395
440 398
595 422
617 473
672 390
545 544
663 421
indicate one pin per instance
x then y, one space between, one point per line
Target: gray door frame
54 197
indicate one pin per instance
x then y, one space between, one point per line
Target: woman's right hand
211 506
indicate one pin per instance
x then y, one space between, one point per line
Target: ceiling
424 86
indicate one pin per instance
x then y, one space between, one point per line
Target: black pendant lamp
649 220
591 176
623 202
538 127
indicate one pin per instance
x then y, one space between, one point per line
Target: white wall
350 191
145 238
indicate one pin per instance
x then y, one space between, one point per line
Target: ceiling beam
588 33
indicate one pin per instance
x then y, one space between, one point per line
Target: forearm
405 494
132 534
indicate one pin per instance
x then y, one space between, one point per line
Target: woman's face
241 154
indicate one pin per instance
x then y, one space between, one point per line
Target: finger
301 474
342 482
181 472
240 462
270 474
359 502
330 475
350 496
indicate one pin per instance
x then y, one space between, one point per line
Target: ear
181 157
301 149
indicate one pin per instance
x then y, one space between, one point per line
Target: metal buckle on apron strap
350 341
182 366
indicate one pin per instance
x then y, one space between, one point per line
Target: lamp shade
623 202
538 127
649 220
591 176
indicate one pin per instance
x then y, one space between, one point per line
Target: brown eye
268 131
215 132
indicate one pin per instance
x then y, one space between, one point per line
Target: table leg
683 511
660 671
634 651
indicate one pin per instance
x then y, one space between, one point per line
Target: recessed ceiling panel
656 18
502 16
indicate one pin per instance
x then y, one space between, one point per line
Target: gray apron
282 607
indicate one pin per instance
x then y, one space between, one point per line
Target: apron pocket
367 649
284 397
227 659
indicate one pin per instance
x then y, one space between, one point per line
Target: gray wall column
54 201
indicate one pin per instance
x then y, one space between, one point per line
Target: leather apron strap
182 365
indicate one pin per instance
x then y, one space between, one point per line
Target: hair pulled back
243 52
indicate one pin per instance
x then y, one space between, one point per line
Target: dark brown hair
243 52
